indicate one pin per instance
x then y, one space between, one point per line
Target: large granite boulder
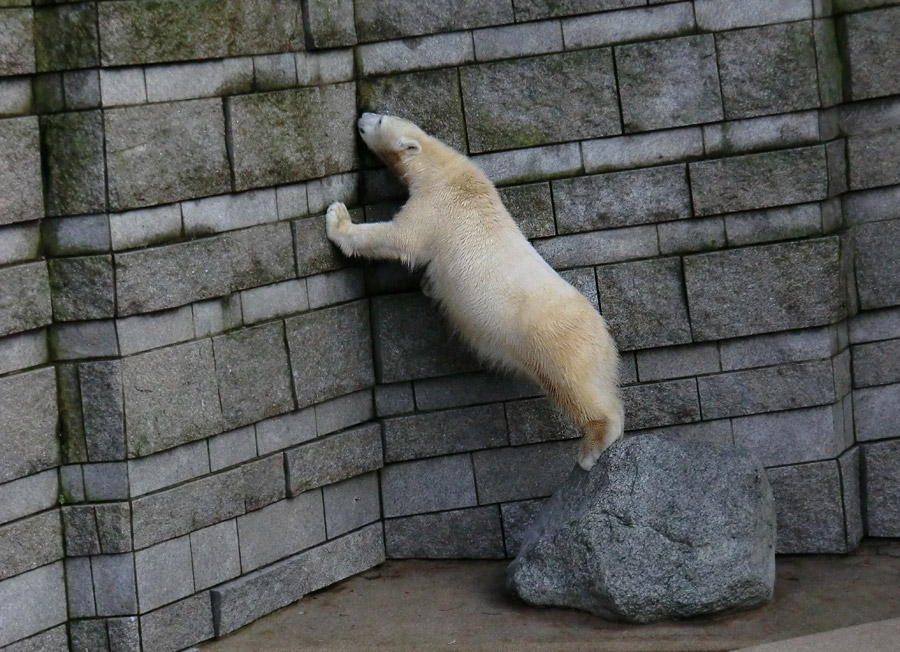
658 529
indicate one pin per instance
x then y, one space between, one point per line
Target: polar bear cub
503 298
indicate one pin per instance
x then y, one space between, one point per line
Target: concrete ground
462 605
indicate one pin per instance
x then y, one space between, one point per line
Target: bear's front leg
379 240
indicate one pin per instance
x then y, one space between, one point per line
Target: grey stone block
229 212
534 9
763 289
875 325
351 504
866 157
287 430
168 468
47 92
29 543
413 340
281 529
145 332
642 150
276 300
430 99
178 625
324 368
254 595
65 37
80 530
531 164
336 287
123 86
788 223
377 20
514 104
88 634
71 416
23 350
292 201
793 436
102 407
107 481
391 400
441 433
702 433
585 281
253 374
881 480
275 71
516 518
678 361
85 234
784 387
643 303
74 163
322 143
768 132
876 412
24 297
531 206
215 554
82 288
691 236
188 507
638 24
520 472
778 348
337 187
430 485
17 42
661 404
719 15
326 67
29 495
460 534
198 30
871 47
80 587
512 41
597 248
232 447
621 199
343 412
19 242
145 227
329 24
164 573
668 83
828 60
334 458
850 464
114 584
163 129
315 253
808 508
170 397
188 81
471 389
28 423
51 640
21 168
114 527
536 420
124 635
759 180
747 56
33 601
264 481
877 259
876 363
216 316
15 96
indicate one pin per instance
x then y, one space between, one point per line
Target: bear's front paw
337 221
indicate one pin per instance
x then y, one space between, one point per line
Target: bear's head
394 140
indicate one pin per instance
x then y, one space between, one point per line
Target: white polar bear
503 298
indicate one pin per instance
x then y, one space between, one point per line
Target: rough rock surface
658 529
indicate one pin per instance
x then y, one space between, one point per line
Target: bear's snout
369 121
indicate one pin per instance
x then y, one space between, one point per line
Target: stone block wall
208 412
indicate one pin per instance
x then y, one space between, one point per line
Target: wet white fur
503 298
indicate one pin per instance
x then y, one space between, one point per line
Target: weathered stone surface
877 262
413 340
88 634
80 528
637 24
82 89
394 399
121 86
516 103
172 30
643 303
315 252
531 206
418 53
870 160
677 361
767 132
247 598
531 164
871 49
170 397
17 42
264 482
510 41
668 83
229 212
253 374
881 468
65 37
24 298
124 635
440 433
289 429
435 484
85 234
30 543
746 59
188 507
533 9
652 405
351 504
458 534
114 527
343 412
28 418
540 469
617 199
100 388
693 535
787 223
599 247
759 180
144 332
792 436
105 481
215 555
334 458
166 277
691 236
33 601
809 508
471 389
875 363
281 529
306 132
642 150
167 468
533 421
20 168
517 518
163 573
720 15
114 587
336 287
430 99
276 300
778 348
28 495
764 289
380 20
51 640
323 366
182 142
178 626
145 227
876 412
328 23
82 288
19 242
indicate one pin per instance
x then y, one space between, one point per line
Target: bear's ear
410 145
